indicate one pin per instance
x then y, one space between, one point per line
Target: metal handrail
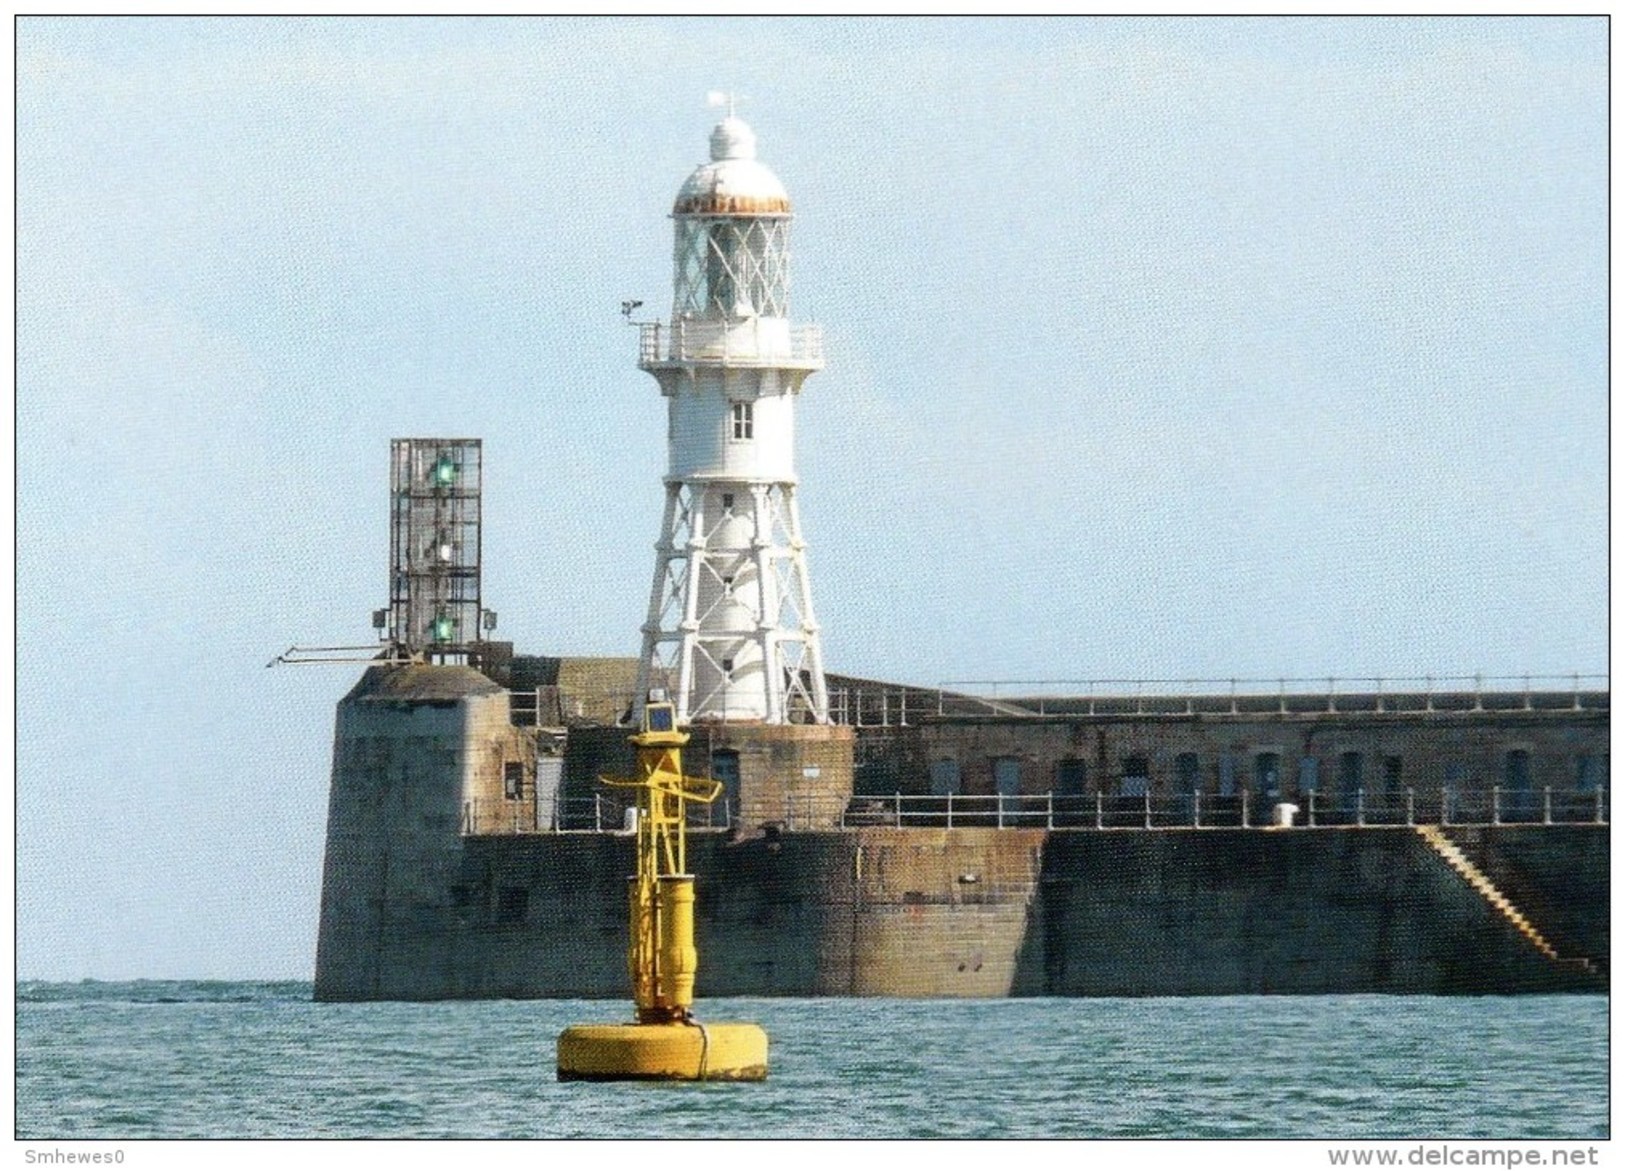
602 813
605 814
889 705
707 341
1243 809
896 705
1362 693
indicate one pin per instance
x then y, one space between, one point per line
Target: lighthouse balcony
753 341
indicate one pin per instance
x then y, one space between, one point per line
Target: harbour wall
443 879
986 912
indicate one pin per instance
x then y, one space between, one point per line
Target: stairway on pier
1457 860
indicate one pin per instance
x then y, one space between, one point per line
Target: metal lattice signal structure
730 630
434 543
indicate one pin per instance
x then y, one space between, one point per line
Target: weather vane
718 98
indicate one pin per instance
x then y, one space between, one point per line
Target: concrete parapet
786 772
413 747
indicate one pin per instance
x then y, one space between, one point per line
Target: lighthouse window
744 424
727 502
513 779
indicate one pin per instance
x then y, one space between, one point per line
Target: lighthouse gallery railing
752 340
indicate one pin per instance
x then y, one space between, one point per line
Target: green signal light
445 472
442 629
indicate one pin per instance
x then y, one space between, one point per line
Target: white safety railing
604 813
1199 810
891 705
600 813
1282 695
759 341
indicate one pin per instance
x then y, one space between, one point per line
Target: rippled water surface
155 1059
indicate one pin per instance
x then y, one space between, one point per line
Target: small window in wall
1267 774
1392 778
1136 776
513 780
1350 779
727 502
1518 802
944 777
1227 775
1188 772
744 421
1308 774
512 903
727 665
1587 776
725 769
1006 775
1071 777
1455 779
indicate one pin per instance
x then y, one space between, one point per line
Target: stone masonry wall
1467 750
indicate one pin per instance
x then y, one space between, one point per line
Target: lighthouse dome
733 182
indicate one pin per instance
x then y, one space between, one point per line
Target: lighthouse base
695 1052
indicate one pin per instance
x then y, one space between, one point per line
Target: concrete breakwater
980 912
423 900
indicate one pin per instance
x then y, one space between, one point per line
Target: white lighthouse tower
730 632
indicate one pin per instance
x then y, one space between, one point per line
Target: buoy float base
667 1053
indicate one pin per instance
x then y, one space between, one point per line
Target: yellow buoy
690 1051
666 1043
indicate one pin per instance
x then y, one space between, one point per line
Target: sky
1157 348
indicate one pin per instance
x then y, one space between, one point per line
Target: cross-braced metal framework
731 628
731 267
434 541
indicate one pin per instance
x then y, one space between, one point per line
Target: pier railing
607 813
600 813
1206 810
884 705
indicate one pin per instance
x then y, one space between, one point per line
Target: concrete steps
1479 881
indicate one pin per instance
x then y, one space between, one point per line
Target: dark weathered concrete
982 912
427 894
413 747
1302 911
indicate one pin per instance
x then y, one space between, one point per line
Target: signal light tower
730 632
434 551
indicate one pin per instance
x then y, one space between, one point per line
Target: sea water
238 1060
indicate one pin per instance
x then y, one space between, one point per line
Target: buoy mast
665 1043
730 626
660 953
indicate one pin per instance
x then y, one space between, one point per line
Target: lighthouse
730 633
